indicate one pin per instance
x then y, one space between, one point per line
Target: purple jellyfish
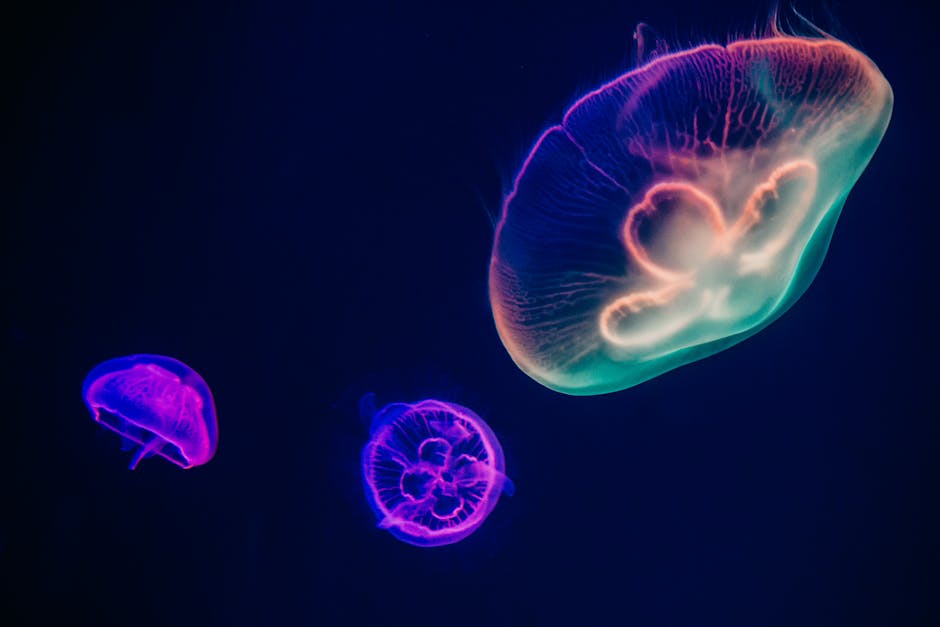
433 471
157 402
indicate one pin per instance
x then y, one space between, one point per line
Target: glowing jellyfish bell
156 402
681 208
433 471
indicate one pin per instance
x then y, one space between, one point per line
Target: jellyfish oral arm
146 451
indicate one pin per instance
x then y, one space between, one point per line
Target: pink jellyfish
433 471
157 402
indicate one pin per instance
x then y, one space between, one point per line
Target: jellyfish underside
681 208
431 474
146 442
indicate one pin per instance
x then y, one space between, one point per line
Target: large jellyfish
433 471
681 208
158 403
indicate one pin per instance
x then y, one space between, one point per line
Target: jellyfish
680 208
433 471
157 403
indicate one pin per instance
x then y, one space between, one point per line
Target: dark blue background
296 201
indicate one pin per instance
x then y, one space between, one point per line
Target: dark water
295 201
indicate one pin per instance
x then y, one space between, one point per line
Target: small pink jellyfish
157 402
681 208
433 471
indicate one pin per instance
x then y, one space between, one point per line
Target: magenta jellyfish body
680 208
157 402
433 471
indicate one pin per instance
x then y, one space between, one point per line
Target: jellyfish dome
158 403
680 208
433 471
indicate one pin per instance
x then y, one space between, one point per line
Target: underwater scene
576 314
